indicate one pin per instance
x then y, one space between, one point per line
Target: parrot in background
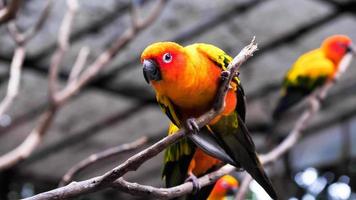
225 188
186 80
312 70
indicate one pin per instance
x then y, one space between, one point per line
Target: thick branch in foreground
109 178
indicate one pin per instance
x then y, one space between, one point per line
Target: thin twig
94 158
131 164
10 11
303 121
103 59
29 34
244 187
14 81
35 137
30 143
17 61
63 44
79 64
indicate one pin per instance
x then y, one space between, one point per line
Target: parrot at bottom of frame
225 188
186 81
312 70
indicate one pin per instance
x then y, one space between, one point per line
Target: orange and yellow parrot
186 80
312 70
225 188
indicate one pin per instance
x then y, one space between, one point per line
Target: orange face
336 47
163 62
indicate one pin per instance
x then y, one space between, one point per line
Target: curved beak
151 71
351 48
232 191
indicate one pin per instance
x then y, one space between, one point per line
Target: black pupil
167 57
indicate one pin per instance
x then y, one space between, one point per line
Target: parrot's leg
192 125
192 178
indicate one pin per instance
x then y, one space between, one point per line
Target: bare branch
23 38
103 60
131 164
244 187
57 99
94 158
17 62
31 142
63 43
79 64
169 193
29 34
14 81
10 11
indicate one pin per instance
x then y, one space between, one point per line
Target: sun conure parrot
186 80
312 70
225 188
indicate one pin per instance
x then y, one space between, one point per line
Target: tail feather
242 149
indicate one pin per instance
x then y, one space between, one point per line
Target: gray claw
192 125
196 186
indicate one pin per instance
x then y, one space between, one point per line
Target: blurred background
119 107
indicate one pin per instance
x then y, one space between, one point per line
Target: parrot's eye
167 58
224 185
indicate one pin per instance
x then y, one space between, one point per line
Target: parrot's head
163 63
336 46
225 186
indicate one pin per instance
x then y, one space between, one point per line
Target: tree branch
10 11
94 158
79 64
63 44
17 61
58 98
103 60
14 81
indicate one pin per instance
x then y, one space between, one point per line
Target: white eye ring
224 184
167 58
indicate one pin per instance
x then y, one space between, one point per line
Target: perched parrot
312 70
225 188
186 80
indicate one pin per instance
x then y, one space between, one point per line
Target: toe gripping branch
196 186
192 125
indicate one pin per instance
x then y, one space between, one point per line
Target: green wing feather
231 131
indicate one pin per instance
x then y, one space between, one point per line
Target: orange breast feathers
194 89
201 163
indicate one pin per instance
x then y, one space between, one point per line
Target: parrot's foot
192 125
225 75
196 186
